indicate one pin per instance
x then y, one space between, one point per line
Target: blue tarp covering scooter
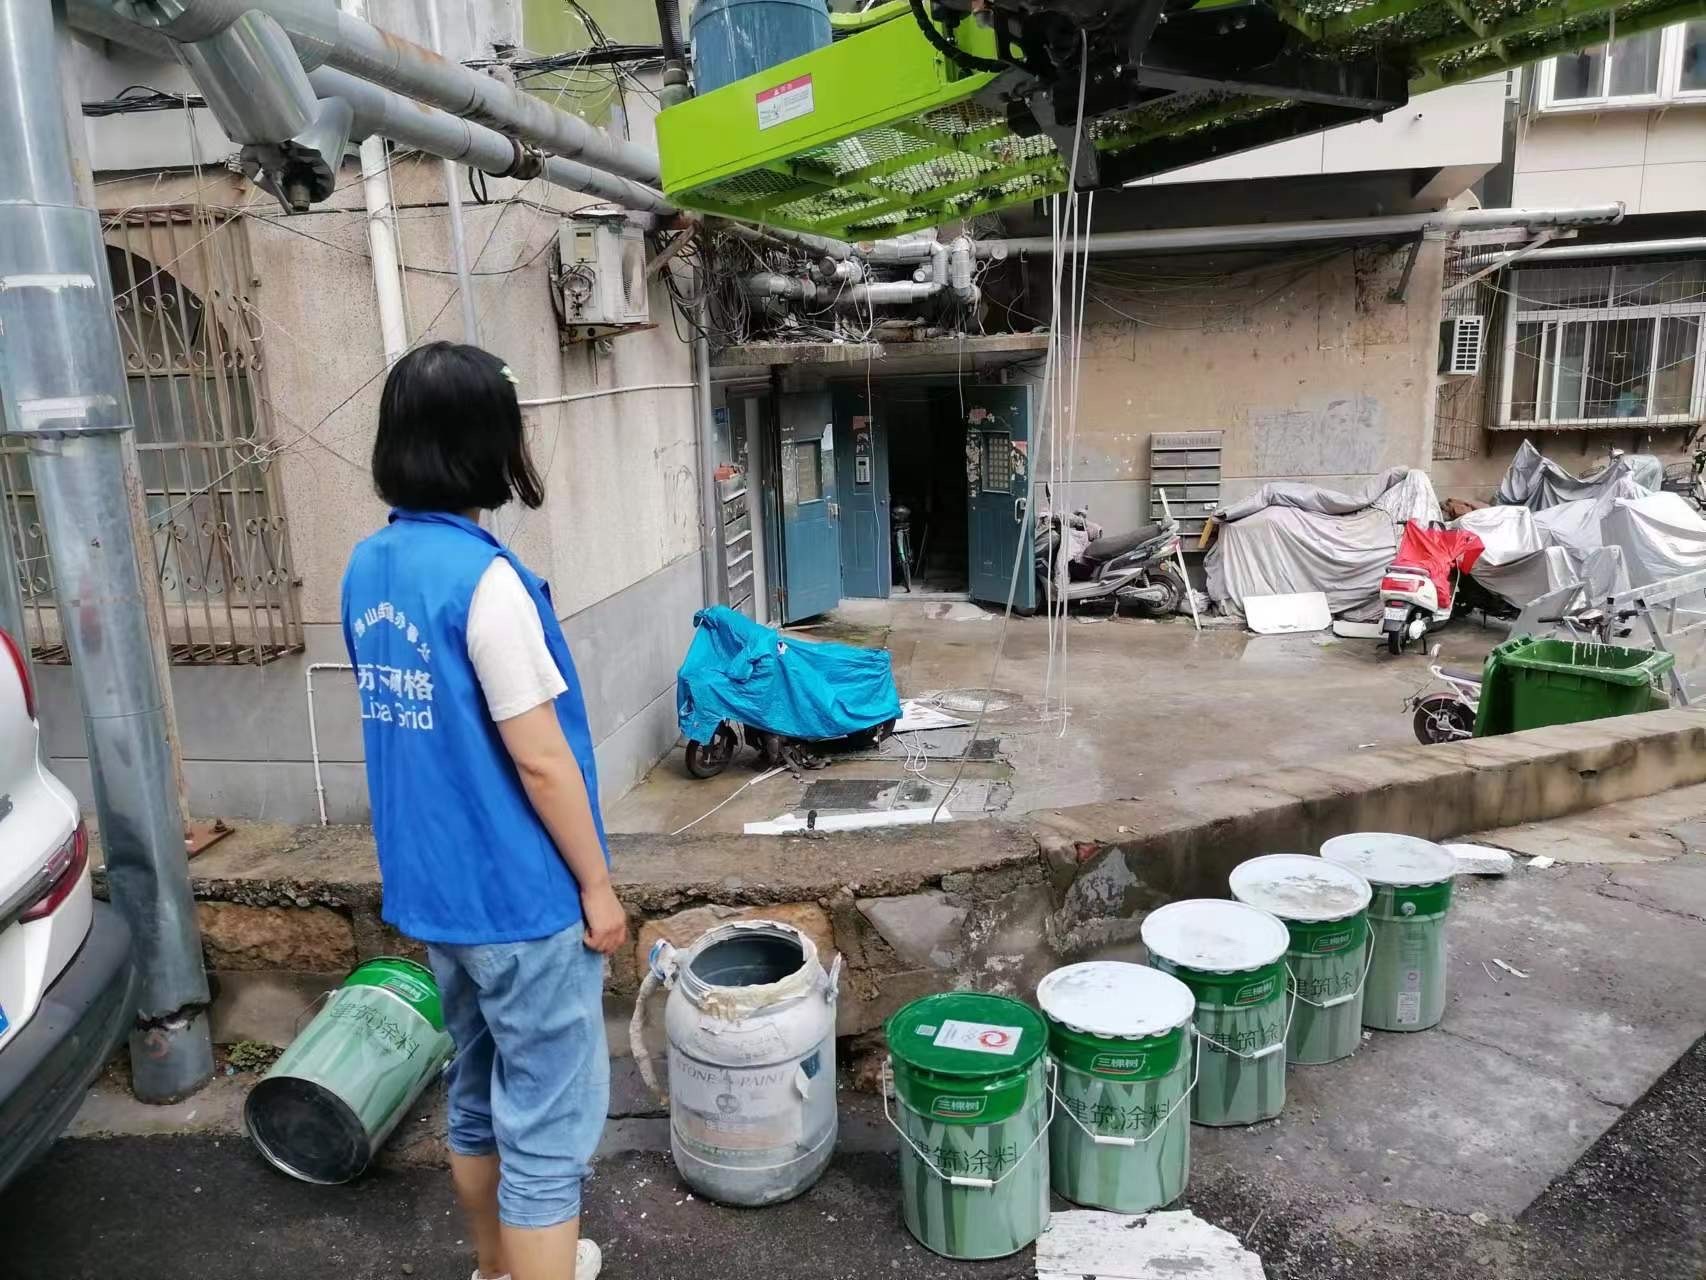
738 670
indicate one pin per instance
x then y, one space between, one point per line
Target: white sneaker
589 1260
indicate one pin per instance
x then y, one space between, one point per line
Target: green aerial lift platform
923 111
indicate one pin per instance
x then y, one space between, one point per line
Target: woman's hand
606 920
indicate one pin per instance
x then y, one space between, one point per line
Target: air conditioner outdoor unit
1460 344
601 277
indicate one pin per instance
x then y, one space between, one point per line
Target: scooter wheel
1440 717
1395 640
708 759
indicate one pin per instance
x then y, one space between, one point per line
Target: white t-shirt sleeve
506 644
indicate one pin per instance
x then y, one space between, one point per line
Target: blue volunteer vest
462 855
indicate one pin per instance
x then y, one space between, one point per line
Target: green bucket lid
1296 887
410 982
1390 860
967 1034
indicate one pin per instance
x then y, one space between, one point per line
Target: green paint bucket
1119 1035
334 1096
1412 894
1232 957
1325 909
970 1079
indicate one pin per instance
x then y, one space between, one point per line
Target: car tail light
11 647
62 873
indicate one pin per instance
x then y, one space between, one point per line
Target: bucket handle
956 1179
1278 1046
1336 1001
314 1006
1116 1140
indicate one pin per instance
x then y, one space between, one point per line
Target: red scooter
1419 590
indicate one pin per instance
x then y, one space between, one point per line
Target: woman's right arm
552 778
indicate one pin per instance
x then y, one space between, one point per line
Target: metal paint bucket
1232 957
751 1029
332 1099
1120 1037
969 1075
1325 909
1412 894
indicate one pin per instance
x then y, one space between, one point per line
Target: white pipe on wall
382 241
314 730
608 391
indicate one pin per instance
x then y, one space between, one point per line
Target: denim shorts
531 1076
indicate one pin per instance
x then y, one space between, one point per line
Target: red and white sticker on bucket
979 1037
787 101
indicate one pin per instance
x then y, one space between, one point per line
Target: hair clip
510 374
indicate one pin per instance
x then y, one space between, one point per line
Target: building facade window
1643 70
196 374
1618 344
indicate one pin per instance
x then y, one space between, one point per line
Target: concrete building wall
1318 377
1457 129
618 537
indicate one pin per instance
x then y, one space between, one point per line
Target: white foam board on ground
1481 860
1151 1246
1281 615
1349 630
916 715
790 823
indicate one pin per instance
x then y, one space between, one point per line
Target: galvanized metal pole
63 383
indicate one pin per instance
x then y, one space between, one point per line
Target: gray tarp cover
1530 553
1537 482
1660 534
1292 537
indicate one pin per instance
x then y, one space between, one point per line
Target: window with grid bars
195 372
1606 345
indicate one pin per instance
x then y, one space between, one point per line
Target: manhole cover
973 701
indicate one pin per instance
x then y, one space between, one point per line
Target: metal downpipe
380 111
710 570
1172 239
63 381
324 35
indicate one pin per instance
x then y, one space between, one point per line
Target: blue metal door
862 485
811 537
998 477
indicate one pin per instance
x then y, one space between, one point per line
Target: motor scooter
742 681
1129 568
1419 590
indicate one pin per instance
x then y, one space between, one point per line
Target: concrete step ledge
985 905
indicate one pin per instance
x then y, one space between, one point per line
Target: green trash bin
1529 683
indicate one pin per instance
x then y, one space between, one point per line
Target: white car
67 979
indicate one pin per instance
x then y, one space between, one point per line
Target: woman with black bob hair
484 792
